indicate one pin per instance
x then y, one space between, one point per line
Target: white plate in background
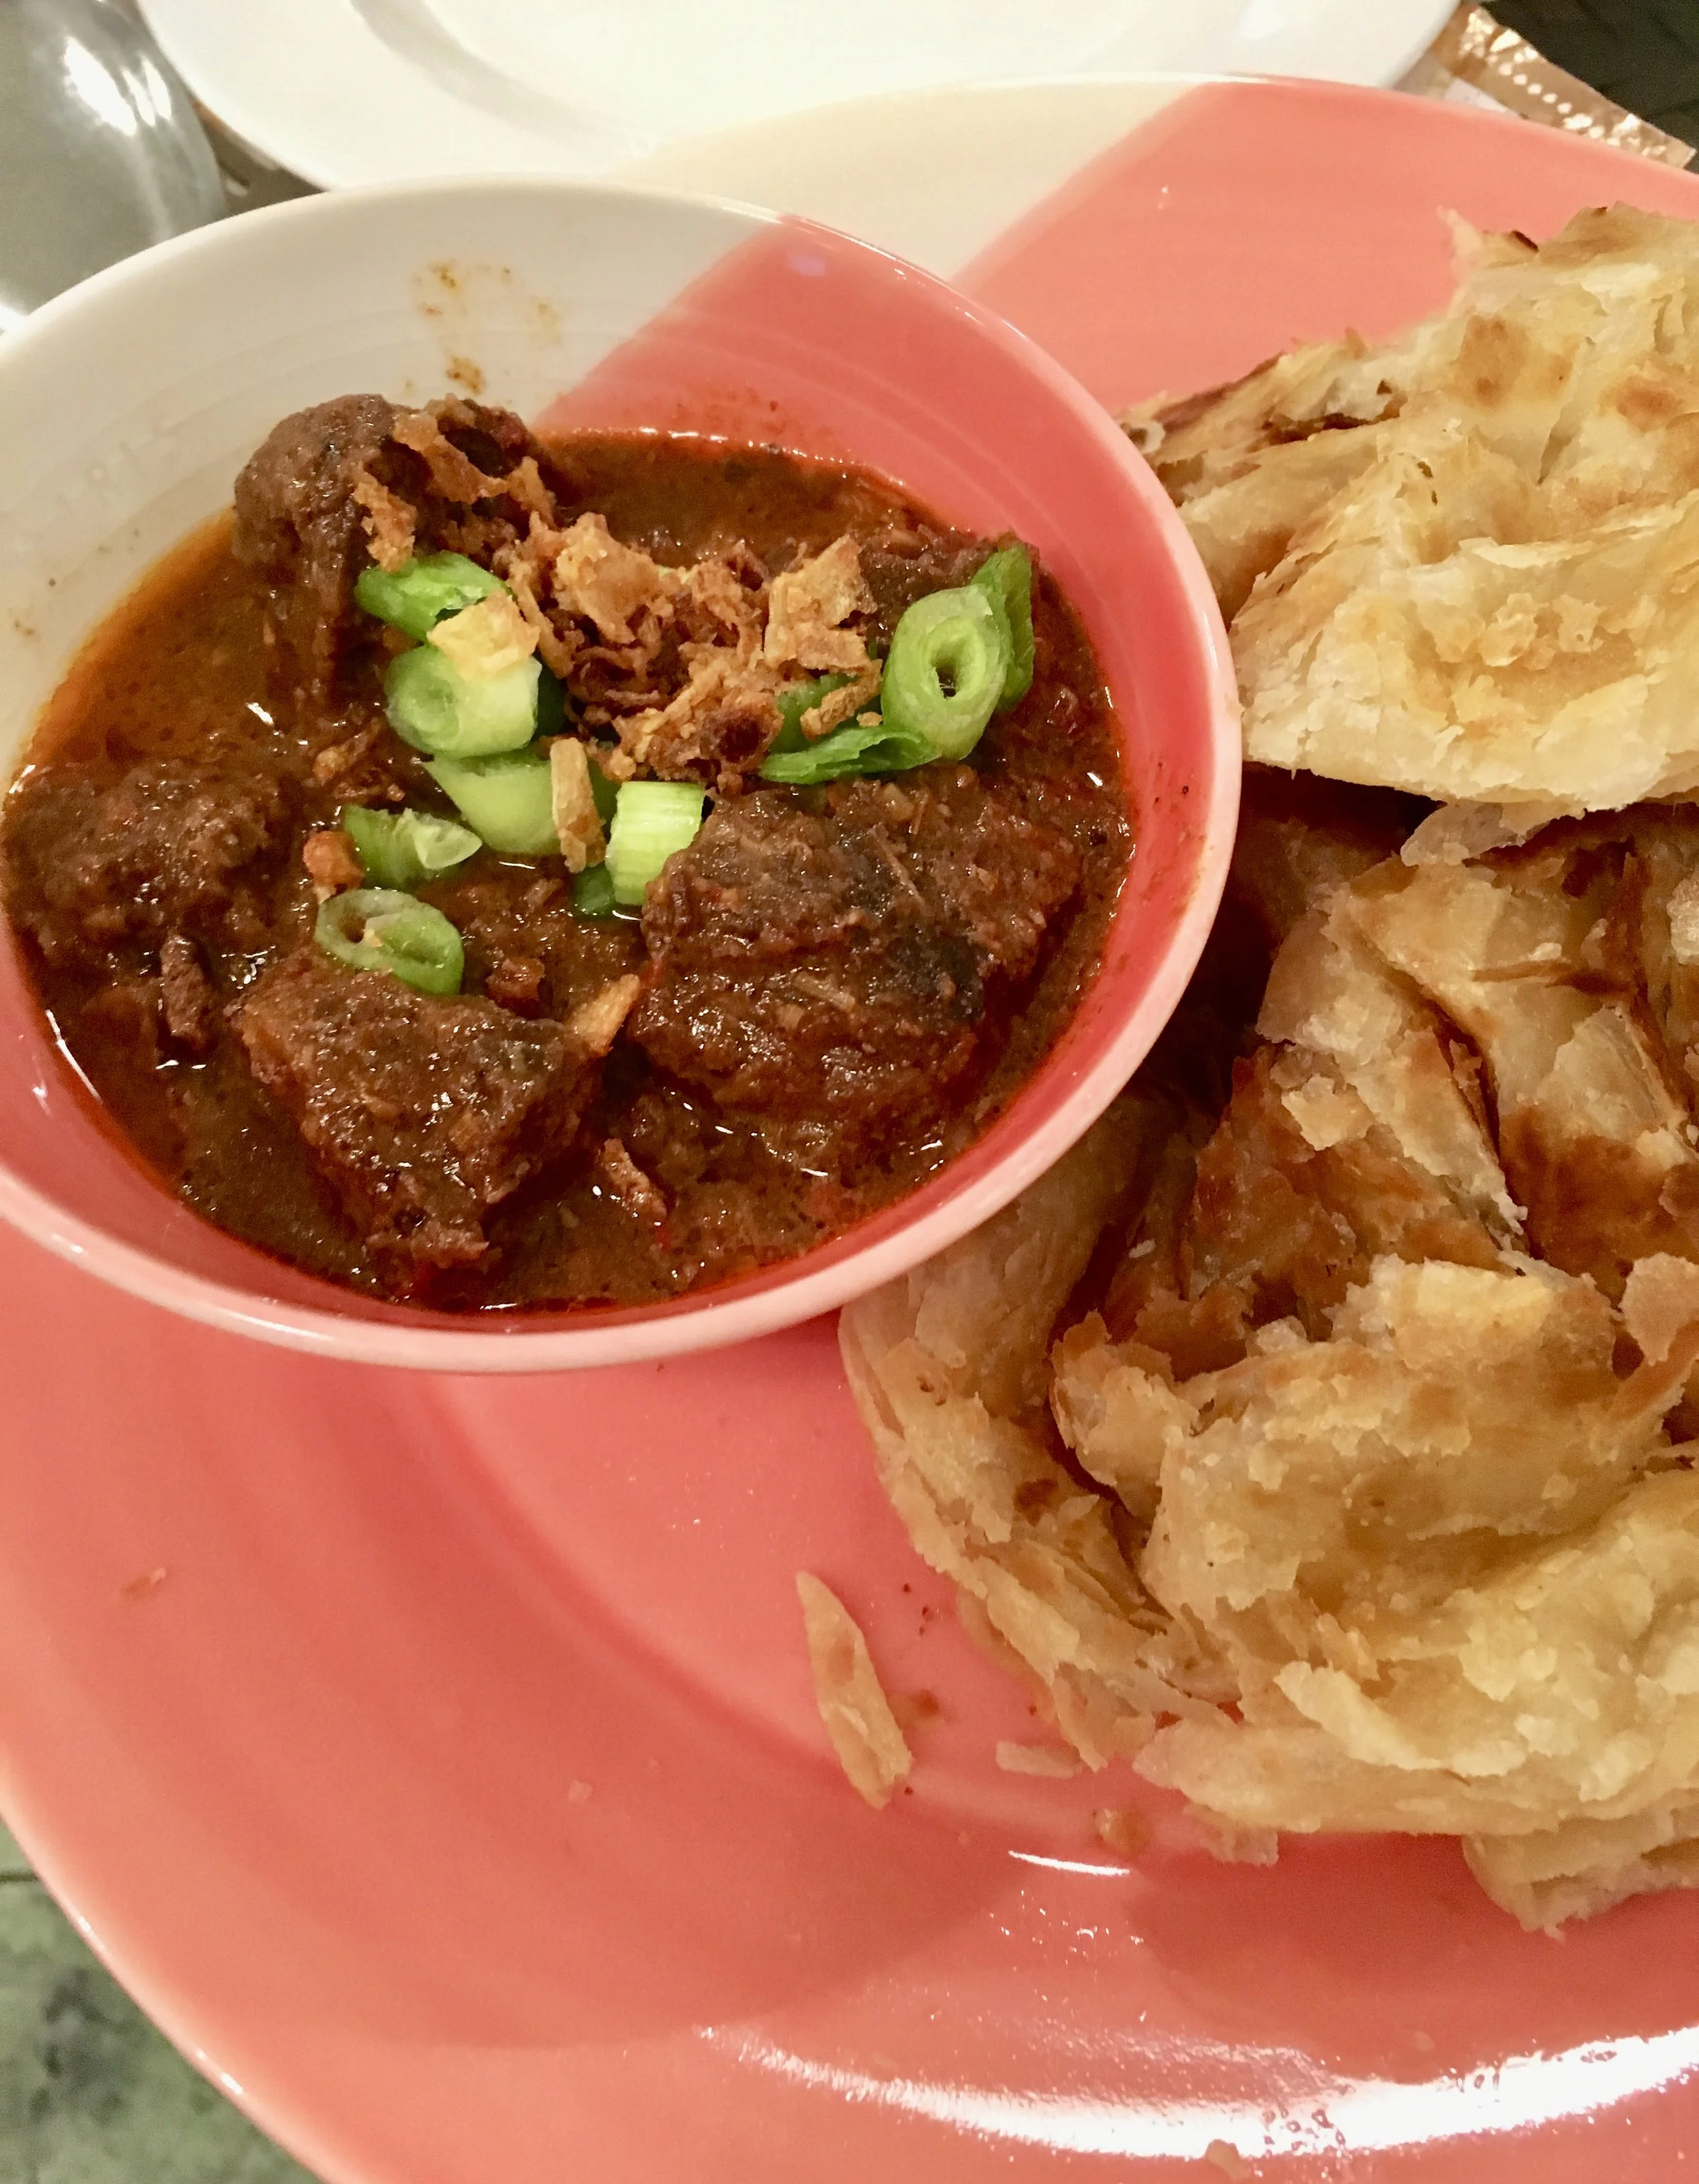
343 92
936 176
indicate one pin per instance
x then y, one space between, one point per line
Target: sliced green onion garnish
552 711
435 708
1006 580
507 800
416 598
850 749
592 892
378 929
948 661
794 703
652 820
404 848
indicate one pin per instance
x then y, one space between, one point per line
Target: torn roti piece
1463 563
1363 1496
947 1369
1562 966
1053 1760
871 1748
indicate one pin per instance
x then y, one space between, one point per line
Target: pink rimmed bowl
130 403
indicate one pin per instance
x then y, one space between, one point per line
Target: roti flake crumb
914 1709
870 1747
1234 1845
1123 1829
1037 1759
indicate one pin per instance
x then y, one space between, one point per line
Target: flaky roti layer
1466 563
1332 1462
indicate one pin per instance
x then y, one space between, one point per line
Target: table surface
1642 53
90 2093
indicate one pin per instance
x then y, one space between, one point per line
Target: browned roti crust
1330 1459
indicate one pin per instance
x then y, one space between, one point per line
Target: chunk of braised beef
422 1113
187 999
516 982
472 476
838 962
497 440
861 1040
300 529
103 866
510 916
897 575
126 1016
330 482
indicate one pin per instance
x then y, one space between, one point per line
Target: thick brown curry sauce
181 672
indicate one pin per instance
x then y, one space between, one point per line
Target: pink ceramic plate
436 1759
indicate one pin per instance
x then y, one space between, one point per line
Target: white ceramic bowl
127 406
